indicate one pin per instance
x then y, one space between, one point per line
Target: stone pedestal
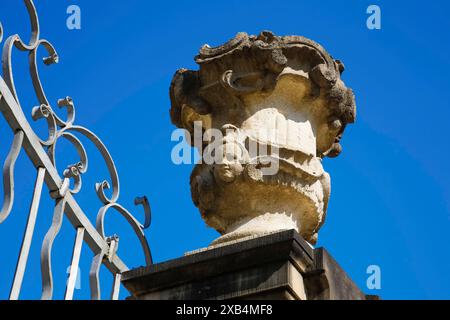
279 266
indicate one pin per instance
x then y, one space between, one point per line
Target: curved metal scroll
137 227
46 252
8 176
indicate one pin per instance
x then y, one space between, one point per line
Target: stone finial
284 95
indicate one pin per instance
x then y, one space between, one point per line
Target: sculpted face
231 164
282 107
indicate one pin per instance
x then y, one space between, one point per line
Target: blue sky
390 186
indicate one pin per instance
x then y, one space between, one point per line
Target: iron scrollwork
70 180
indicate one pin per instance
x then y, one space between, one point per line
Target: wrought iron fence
63 187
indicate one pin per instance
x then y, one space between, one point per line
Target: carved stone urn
281 95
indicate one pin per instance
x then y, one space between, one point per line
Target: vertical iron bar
8 175
46 250
73 273
94 280
28 236
116 286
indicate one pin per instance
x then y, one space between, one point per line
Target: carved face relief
282 107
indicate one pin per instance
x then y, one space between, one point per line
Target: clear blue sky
390 186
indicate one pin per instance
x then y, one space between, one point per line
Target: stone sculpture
284 95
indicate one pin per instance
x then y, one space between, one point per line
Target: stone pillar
268 110
280 266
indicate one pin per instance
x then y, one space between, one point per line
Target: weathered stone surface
276 266
282 94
